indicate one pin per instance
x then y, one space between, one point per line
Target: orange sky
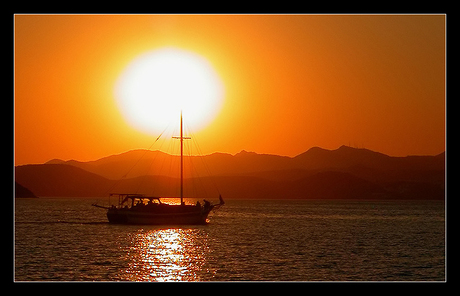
291 82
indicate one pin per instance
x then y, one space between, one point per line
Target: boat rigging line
132 167
145 152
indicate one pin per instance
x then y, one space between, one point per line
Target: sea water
252 240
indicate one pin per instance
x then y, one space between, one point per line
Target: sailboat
136 208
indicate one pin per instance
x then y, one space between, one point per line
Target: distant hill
318 173
338 185
346 157
22 192
136 163
60 180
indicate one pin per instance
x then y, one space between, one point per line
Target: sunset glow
157 85
230 147
276 84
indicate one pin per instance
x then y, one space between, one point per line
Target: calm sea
255 240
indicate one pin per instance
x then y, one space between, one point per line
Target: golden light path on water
172 254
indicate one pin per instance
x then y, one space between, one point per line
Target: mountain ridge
345 172
117 165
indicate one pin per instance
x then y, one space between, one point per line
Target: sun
157 85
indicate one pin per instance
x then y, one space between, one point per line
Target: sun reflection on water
172 254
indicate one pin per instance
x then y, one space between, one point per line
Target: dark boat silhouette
133 209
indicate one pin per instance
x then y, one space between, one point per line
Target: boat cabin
136 199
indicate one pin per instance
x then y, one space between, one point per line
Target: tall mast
181 162
181 159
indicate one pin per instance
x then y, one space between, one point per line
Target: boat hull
177 216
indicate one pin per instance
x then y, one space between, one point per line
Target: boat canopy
124 197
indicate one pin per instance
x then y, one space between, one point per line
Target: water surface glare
255 240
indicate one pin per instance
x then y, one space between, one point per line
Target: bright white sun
156 86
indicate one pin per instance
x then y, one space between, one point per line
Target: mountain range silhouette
343 173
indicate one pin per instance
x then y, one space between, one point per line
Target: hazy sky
291 82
